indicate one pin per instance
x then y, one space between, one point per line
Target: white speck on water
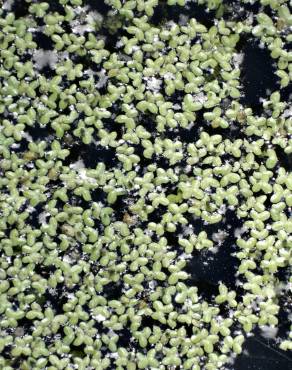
237 59
200 98
83 176
86 21
70 295
135 48
77 165
152 284
176 107
269 332
262 45
185 256
188 230
30 209
42 217
219 237
153 84
102 79
15 145
7 4
169 76
27 136
99 318
119 44
67 259
287 113
239 231
214 250
79 9
155 38
222 209
43 58
82 28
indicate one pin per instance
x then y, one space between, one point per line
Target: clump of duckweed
145 183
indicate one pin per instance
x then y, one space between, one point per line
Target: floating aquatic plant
134 146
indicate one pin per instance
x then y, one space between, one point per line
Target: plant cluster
130 146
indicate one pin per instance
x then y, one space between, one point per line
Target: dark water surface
257 76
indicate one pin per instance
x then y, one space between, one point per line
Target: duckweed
128 152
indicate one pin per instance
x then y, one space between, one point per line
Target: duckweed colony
145 150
